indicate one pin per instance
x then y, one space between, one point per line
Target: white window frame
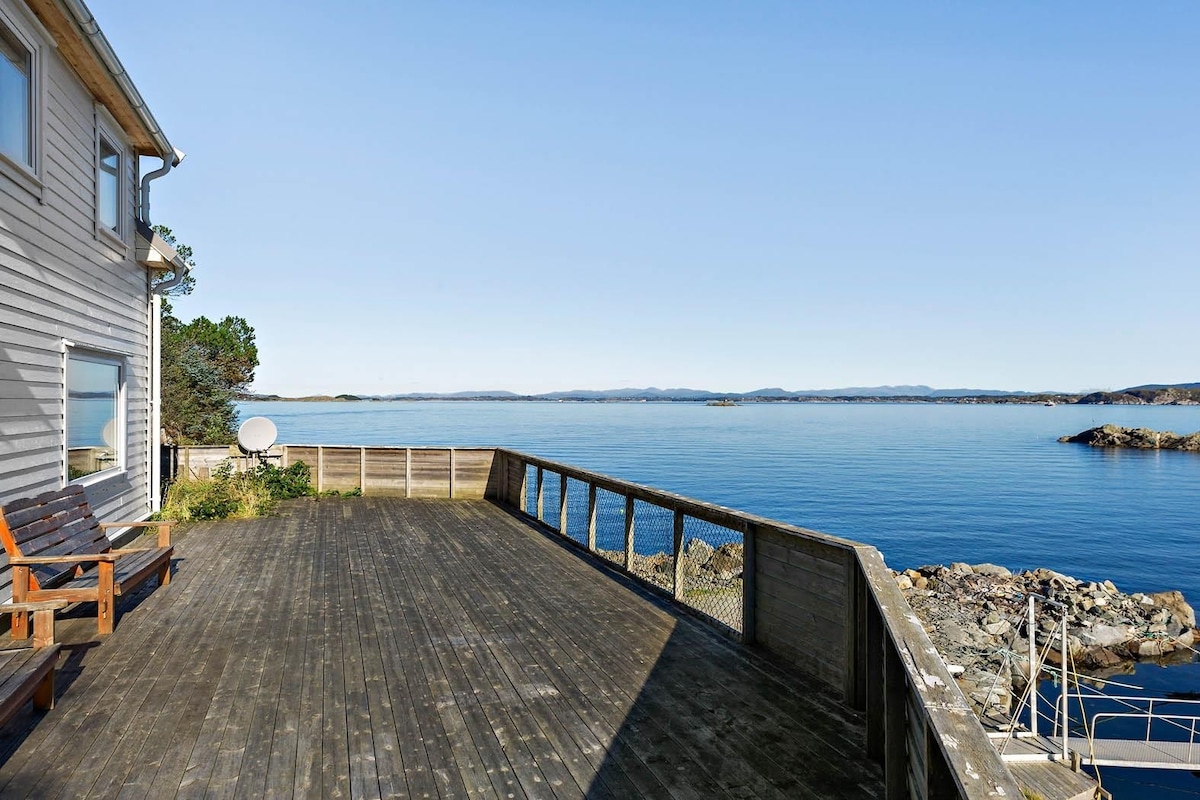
71 351
106 130
29 32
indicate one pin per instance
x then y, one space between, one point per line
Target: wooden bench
29 672
53 543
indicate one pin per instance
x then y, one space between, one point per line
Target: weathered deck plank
382 647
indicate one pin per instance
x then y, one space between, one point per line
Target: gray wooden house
78 309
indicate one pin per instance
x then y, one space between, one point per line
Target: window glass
93 416
16 71
108 186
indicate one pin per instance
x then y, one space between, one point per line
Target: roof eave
83 45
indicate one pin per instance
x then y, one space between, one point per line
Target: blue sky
536 196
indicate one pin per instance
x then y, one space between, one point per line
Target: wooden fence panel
430 473
472 473
386 470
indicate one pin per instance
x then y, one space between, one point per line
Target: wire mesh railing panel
712 570
577 511
610 526
653 544
551 489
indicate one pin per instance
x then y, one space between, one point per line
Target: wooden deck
375 647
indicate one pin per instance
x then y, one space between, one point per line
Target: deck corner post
749 584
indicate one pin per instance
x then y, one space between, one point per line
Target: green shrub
237 495
284 484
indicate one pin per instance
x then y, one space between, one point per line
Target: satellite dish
256 434
109 434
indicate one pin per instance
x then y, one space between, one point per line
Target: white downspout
174 159
155 470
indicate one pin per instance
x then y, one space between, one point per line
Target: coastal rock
977 620
699 552
1106 635
1174 603
1140 438
729 557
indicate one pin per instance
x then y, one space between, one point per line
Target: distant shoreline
1138 397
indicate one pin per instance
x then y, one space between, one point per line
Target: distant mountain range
1158 387
1151 393
654 393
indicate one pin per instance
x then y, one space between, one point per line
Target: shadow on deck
403 648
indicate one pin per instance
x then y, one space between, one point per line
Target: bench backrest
52 524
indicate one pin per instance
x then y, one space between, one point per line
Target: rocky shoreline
976 617
1140 438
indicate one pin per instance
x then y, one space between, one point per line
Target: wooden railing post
362 470
629 533
895 755
856 636
524 487
562 504
451 479
677 546
408 472
875 700
541 479
749 587
320 469
591 523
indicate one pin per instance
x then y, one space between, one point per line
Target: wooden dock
390 647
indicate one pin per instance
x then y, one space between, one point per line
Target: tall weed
236 495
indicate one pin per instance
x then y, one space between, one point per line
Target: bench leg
20 619
164 573
43 695
105 601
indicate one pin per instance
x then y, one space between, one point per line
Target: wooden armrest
43 618
164 528
22 561
40 605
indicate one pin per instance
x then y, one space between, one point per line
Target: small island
1139 438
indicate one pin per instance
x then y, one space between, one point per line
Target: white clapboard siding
60 279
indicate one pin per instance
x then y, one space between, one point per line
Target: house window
108 187
95 422
16 99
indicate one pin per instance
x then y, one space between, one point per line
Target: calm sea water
923 483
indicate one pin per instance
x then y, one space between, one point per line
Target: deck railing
828 606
